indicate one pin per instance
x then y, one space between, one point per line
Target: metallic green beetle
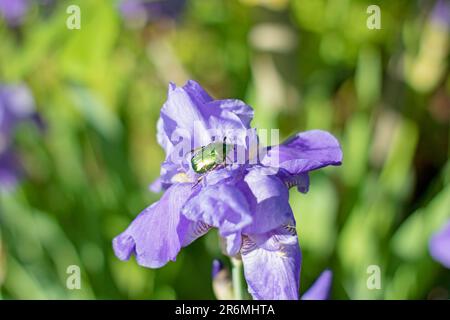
210 157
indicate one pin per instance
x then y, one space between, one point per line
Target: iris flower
319 290
16 106
248 203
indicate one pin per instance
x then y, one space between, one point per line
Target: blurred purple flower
9 169
13 11
247 203
440 246
441 13
151 10
320 289
16 106
221 281
217 267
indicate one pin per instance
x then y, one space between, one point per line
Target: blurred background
81 149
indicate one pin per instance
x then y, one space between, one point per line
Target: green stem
238 281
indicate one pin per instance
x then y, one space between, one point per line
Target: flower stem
238 281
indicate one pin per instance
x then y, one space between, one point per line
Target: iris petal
270 206
190 118
302 153
273 274
320 289
158 233
222 206
233 244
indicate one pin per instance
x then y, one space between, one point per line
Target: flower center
180 178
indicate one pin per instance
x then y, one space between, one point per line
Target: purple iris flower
248 203
440 246
151 10
13 11
16 106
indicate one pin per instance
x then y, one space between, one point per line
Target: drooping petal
320 289
158 233
221 206
304 152
273 271
269 201
440 246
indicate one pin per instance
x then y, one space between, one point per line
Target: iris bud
221 281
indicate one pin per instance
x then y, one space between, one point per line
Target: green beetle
210 157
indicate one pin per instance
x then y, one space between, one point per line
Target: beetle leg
219 165
227 158
198 181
